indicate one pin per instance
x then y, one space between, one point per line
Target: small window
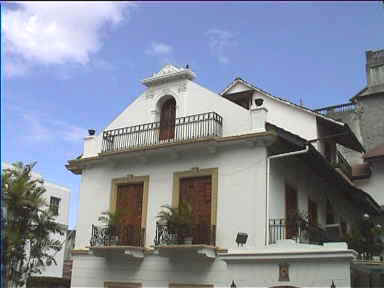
54 205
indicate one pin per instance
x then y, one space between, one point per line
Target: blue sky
74 66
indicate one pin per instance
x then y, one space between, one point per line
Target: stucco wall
375 184
289 117
156 271
191 99
241 191
372 120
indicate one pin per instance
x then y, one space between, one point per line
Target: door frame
110 284
196 172
130 179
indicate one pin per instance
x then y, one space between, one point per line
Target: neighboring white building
57 197
245 160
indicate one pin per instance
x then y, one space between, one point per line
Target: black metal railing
201 234
336 108
117 235
185 128
302 231
343 164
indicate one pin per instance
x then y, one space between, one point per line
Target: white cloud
59 32
159 49
219 41
14 68
42 127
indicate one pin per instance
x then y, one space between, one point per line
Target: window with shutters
54 205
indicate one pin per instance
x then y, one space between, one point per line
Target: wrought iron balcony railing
336 109
303 232
185 128
117 235
343 164
201 234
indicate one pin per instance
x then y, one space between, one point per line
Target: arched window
167 119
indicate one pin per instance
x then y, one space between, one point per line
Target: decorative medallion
283 272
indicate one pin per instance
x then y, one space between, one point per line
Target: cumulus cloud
219 42
59 32
159 49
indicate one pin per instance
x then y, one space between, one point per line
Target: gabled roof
299 107
348 139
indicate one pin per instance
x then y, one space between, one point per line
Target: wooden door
130 202
290 211
167 119
312 212
198 192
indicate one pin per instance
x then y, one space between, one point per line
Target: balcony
121 239
328 111
342 163
186 129
303 232
169 243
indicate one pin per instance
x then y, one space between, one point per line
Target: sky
69 67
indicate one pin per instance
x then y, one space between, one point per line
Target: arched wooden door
167 119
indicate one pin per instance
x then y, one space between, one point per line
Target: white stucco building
246 161
57 197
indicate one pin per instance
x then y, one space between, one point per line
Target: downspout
267 185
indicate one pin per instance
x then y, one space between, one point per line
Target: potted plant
178 221
112 221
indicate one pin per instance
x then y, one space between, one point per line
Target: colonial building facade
246 161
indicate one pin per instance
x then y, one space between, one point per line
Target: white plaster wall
289 118
374 185
303 273
156 271
308 185
236 119
241 191
63 193
191 99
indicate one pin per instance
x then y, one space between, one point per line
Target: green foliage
365 237
179 219
29 225
110 218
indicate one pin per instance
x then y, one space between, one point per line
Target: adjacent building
246 161
364 113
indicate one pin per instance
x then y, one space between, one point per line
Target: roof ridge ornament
169 73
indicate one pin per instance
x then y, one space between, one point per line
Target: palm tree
29 225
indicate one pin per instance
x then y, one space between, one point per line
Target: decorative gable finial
169 73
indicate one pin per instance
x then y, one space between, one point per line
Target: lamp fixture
333 285
241 238
233 285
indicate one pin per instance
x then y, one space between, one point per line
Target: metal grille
186 128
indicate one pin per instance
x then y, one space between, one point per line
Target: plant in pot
178 221
111 219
